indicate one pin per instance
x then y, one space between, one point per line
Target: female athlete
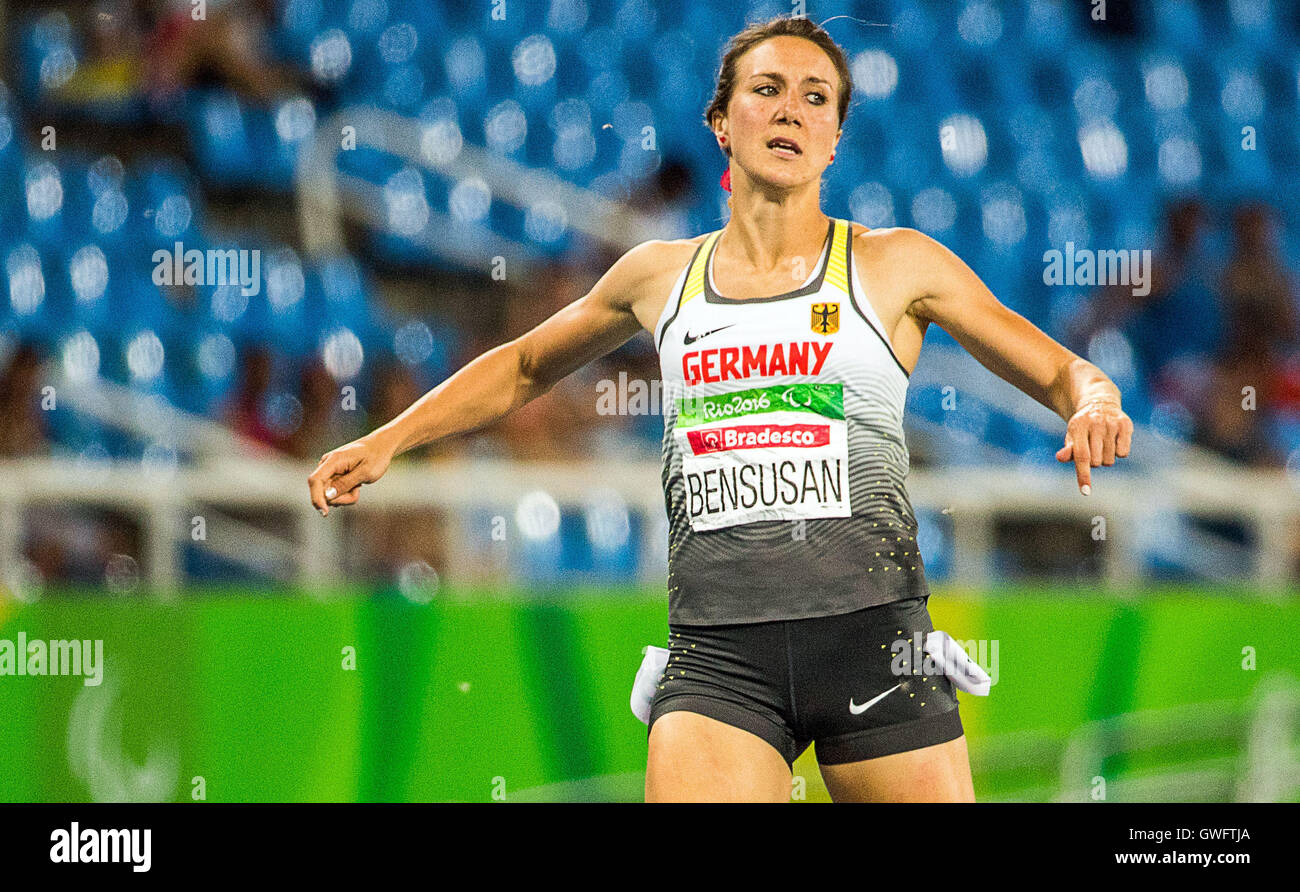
796 589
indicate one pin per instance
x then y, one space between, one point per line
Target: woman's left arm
948 293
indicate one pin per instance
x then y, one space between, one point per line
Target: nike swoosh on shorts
858 710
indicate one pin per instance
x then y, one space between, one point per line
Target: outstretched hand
1095 435
338 478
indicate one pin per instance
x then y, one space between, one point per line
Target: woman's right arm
502 379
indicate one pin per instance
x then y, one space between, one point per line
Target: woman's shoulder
659 257
646 271
892 242
880 234
673 246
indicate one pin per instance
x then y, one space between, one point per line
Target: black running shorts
851 682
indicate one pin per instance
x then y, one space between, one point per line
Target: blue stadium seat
1178 24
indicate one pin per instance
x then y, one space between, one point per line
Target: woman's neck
768 227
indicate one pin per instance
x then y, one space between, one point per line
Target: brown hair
758 32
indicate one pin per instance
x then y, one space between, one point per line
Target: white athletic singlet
783 451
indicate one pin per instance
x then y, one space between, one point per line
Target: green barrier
233 695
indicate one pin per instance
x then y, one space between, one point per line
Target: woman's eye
765 87
818 98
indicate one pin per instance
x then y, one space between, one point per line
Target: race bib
769 453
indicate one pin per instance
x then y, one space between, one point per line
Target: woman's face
782 120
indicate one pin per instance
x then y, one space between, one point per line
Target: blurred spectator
548 428
667 197
1261 332
565 423
1224 422
325 424
152 51
394 389
244 410
22 423
1181 316
230 46
1257 286
113 68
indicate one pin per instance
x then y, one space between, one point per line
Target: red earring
725 182
832 157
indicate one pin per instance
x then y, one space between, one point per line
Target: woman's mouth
786 148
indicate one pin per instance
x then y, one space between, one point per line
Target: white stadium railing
308 548
1144 506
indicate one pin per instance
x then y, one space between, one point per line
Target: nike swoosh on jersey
691 339
858 710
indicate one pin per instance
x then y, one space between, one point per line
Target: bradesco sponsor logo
758 436
826 400
766 360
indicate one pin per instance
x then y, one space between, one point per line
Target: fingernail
331 493
1086 489
320 511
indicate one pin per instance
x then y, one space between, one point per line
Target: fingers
1094 437
1066 451
1125 437
321 479
1096 440
1083 465
347 498
353 479
316 482
1108 439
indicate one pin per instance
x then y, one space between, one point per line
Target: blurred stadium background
425 179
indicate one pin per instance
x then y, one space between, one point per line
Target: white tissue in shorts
954 662
647 680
